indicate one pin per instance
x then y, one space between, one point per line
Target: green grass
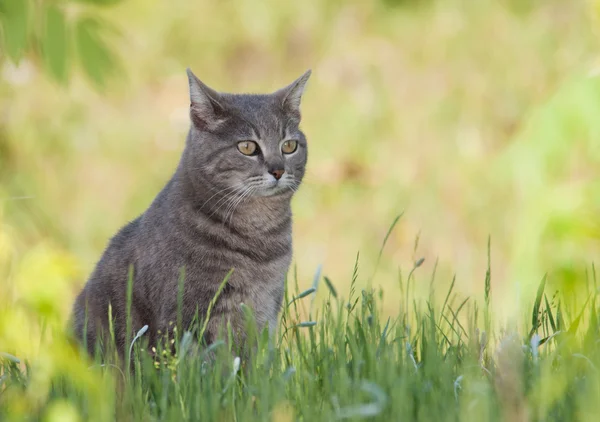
337 360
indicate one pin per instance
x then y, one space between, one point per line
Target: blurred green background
475 118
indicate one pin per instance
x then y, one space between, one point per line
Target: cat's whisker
228 199
292 184
221 191
225 200
246 196
240 185
222 201
230 206
233 198
240 199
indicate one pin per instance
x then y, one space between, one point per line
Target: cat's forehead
264 112
253 105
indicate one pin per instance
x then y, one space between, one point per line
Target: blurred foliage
553 167
59 32
476 118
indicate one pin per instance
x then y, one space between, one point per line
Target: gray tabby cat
226 207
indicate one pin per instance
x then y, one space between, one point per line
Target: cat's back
115 261
121 246
126 246
103 286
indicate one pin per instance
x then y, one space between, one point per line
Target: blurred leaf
97 59
61 410
99 2
44 277
14 22
520 7
592 333
56 44
404 3
575 324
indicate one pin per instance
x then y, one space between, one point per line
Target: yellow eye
289 146
248 147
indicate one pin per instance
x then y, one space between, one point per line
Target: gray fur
221 210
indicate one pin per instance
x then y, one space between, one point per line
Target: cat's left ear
291 96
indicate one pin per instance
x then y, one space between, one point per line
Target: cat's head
246 144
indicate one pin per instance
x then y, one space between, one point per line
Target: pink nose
277 173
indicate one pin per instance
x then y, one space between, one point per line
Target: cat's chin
277 190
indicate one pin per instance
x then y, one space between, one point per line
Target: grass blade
305 293
330 287
535 314
550 316
385 239
212 303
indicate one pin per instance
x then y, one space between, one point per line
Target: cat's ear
206 109
291 96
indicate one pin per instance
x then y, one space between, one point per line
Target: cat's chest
249 274
252 277
260 287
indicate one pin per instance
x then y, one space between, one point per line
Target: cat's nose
277 173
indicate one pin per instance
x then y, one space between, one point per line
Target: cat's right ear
206 109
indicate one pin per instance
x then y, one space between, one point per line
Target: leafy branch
57 34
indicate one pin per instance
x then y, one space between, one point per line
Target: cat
226 208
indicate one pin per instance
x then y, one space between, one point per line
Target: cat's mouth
269 186
274 187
